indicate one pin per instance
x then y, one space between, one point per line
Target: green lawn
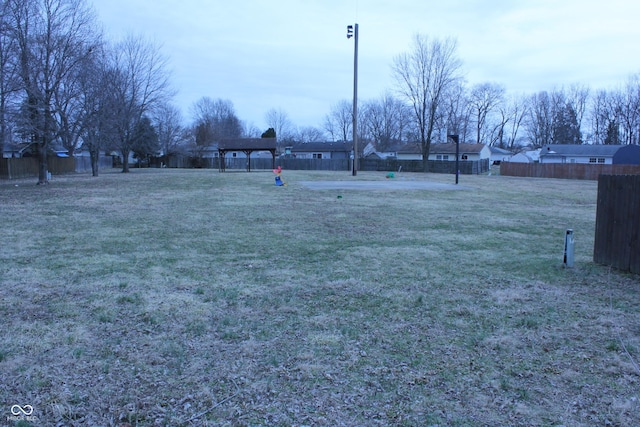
195 298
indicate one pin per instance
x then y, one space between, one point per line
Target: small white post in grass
569 243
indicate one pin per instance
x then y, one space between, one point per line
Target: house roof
253 144
450 148
408 149
498 150
321 146
579 150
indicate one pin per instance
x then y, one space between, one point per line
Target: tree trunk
425 156
94 156
43 167
125 161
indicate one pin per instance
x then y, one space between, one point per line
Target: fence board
617 239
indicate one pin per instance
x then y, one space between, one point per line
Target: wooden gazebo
247 146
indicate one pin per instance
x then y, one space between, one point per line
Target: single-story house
319 150
29 149
471 152
499 155
527 156
370 151
593 154
446 152
10 149
409 152
206 152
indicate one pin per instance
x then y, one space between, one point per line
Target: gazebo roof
247 144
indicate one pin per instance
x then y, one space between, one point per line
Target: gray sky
294 55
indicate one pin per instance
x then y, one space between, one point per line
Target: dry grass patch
190 297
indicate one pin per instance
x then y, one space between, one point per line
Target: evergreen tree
613 134
269 133
566 129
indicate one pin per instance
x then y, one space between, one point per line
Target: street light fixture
352 31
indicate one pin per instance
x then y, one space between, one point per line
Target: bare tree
278 119
628 110
9 79
603 117
139 83
423 76
53 37
483 99
385 121
98 105
578 98
512 114
215 119
540 119
339 121
455 117
168 124
309 134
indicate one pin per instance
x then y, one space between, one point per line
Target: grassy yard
194 298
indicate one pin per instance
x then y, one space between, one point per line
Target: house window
439 157
592 160
234 154
317 155
445 157
600 159
465 157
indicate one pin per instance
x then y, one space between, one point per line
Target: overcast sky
294 55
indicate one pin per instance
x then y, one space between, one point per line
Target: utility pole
352 31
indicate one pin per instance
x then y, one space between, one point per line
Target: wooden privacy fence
26 167
617 239
565 170
83 163
382 165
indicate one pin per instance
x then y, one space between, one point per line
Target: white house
591 154
471 152
444 152
499 155
531 156
319 150
371 151
409 152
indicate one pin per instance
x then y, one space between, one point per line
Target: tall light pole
456 140
352 31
